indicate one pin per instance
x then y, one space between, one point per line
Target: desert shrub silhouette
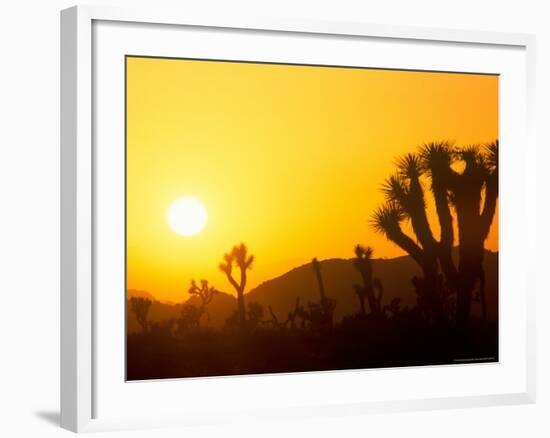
189 318
393 308
274 321
255 315
164 328
232 321
140 306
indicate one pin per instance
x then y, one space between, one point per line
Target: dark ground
353 344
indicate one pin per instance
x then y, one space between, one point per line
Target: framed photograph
285 218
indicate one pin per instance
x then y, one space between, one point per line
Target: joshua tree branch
445 244
398 237
232 281
417 213
444 215
273 316
243 278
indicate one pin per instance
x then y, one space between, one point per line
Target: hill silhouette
339 276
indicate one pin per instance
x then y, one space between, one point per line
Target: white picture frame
79 251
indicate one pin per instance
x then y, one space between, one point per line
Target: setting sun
187 216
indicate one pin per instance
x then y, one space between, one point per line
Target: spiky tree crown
240 254
205 291
491 153
409 166
436 158
363 252
227 264
387 218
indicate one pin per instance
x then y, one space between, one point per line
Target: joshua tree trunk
470 254
241 307
468 269
369 292
482 295
360 291
432 285
362 304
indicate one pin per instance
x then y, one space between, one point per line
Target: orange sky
288 159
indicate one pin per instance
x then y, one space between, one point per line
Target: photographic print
296 218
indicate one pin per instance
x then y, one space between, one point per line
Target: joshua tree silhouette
292 315
205 293
327 305
472 193
363 264
275 323
190 317
140 306
163 328
240 257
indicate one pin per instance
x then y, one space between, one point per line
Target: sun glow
187 216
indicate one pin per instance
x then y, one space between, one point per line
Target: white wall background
29 215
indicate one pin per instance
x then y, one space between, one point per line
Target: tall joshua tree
140 306
471 194
327 305
243 261
204 292
363 264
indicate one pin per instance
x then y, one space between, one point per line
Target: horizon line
169 302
